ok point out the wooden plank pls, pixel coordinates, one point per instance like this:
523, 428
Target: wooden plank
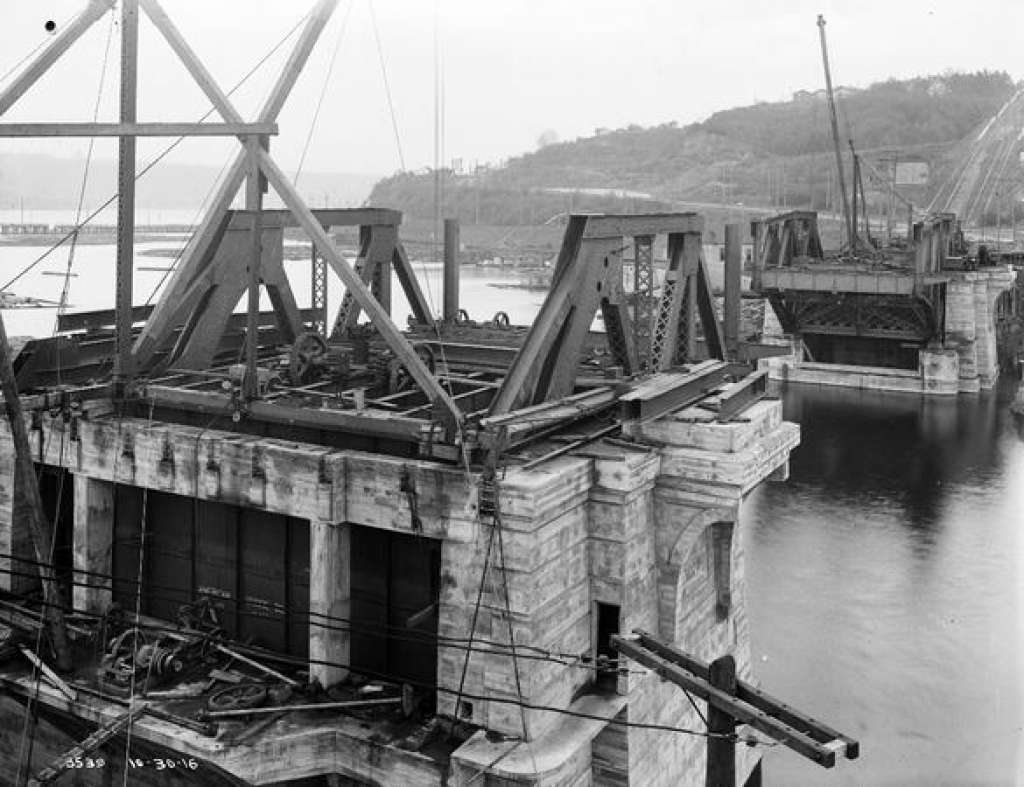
129, 129
380, 318
255, 665
627, 225
50, 675
60, 44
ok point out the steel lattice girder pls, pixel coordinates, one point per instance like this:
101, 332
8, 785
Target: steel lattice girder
851, 314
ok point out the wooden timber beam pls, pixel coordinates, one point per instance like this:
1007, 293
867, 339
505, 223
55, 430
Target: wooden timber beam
178, 298
57, 47
399, 345
135, 129
802, 743
749, 693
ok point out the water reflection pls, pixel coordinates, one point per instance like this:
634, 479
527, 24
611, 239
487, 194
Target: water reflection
885, 585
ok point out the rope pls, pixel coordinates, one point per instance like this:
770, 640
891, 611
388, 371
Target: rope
472, 626
323, 91
138, 611
508, 618
25, 753
387, 85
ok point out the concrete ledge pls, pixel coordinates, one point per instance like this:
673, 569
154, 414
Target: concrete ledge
547, 761
871, 378
297, 479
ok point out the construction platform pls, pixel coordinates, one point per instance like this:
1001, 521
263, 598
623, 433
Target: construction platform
353, 542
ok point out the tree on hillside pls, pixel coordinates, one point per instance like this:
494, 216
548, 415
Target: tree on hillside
547, 137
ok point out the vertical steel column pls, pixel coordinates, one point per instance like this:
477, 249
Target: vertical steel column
126, 198
450, 296
254, 209
733, 285
692, 252
643, 300
318, 291
756, 254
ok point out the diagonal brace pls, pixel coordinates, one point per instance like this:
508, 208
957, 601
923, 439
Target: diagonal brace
399, 345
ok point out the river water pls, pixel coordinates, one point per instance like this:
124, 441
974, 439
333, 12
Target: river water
886, 586
885, 579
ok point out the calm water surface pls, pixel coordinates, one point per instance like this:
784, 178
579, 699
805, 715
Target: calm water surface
886, 586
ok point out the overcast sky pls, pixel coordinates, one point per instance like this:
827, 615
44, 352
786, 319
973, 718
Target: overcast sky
511, 68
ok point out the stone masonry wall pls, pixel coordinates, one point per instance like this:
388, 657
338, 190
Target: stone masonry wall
544, 539
970, 324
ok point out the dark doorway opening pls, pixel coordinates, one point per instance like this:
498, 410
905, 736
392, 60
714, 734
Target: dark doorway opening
395, 590
57, 489
607, 624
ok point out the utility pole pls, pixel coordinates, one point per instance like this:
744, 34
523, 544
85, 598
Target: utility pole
39, 525
721, 754
851, 234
